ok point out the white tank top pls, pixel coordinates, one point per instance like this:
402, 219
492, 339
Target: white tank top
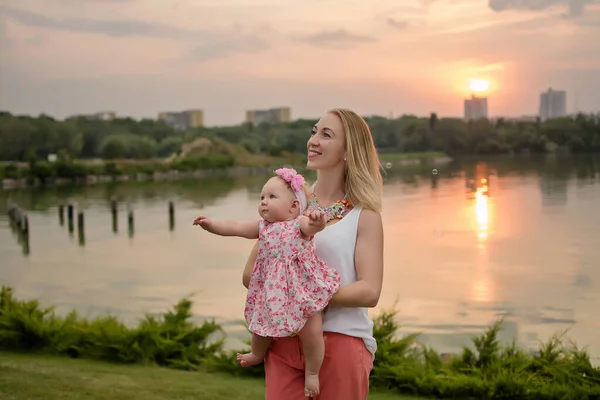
335, 245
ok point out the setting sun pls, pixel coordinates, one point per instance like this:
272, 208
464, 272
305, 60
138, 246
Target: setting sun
479, 85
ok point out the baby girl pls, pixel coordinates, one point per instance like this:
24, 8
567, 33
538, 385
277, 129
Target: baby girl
290, 285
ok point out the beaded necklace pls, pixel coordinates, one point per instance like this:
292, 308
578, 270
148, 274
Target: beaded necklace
336, 210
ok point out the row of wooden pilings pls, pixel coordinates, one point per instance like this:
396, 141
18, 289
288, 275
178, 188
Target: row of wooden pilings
19, 221
114, 208
70, 222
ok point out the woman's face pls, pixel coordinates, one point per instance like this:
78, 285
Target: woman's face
326, 146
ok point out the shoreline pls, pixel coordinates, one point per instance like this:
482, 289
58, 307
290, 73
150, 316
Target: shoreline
388, 160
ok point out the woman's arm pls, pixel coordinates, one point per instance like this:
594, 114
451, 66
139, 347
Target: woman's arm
250, 265
368, 260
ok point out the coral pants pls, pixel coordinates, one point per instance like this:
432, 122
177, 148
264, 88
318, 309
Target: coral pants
344, 374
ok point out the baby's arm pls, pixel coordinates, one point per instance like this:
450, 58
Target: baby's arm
314, 223
246, 229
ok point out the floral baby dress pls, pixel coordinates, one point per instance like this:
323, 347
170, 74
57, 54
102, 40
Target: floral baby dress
289, 282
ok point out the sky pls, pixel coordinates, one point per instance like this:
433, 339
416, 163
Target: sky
378, 57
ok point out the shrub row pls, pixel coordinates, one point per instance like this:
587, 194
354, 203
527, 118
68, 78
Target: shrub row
44, 170
486, 370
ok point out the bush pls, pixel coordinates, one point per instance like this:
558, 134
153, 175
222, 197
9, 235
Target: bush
487, 370
70, 170
41, 170
10, 171
127, 146
193, 163
169, 146
171, 340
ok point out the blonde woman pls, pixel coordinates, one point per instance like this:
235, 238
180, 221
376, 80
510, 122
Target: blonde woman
348, 189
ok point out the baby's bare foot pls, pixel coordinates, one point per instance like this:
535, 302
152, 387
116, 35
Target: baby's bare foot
311, 384
248, 360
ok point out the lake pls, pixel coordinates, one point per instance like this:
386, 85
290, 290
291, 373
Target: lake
465, 244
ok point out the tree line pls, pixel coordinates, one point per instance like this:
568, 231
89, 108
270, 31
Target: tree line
23, 138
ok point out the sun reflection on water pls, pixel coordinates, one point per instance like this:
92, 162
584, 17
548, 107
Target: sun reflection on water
482, 287
482, 210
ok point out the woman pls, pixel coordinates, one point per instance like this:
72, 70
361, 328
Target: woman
342, 151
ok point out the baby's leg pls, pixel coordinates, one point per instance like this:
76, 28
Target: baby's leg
259, 347
314, 352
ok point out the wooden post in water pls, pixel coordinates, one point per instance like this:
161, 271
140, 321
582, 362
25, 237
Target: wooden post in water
113, 210
130, 220
25, 245
70, 217
25, 225
19, 222
61, 214
171, 216
434, 178
13, 211
80, 228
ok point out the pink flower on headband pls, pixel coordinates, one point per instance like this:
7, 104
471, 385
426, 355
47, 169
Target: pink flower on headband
295, 180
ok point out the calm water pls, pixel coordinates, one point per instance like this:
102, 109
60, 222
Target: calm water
475, 242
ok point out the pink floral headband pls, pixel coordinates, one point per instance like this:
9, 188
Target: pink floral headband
296, 182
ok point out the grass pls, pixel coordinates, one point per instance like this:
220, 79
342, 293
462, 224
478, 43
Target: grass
24, 376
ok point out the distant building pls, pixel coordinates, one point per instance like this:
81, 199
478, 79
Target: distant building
553, 104
282, 114
183, 119
476, 108
99, 116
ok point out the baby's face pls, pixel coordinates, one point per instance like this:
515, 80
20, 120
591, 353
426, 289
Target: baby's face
277, 201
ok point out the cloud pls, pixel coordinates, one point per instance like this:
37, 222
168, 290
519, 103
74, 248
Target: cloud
87, 2
336, 39
575, 8
401, 18
226, 45
399, 24
405, 10
115, 28
97, 1
204, 44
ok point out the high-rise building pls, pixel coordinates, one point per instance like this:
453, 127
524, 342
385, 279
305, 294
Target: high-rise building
183, 119
553, 104
282, 114
476, 108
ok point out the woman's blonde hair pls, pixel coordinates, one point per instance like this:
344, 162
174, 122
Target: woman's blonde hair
364, 183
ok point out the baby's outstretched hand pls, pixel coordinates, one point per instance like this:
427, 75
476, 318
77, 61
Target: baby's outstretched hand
204, 222
317, 220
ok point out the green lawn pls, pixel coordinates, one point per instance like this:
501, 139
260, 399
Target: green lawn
51, 378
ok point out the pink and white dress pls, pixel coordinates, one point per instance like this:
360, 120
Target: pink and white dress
289, 282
